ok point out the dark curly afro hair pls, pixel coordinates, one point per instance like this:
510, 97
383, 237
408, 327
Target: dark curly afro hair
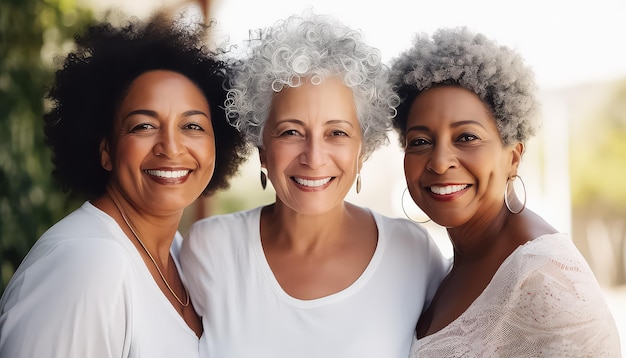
94, 78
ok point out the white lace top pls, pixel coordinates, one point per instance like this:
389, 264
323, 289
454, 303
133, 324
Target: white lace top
543, 301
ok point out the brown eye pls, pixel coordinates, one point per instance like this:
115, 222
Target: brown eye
468, 137
339, 133
416, 142
290, 132
142, 127
194, 126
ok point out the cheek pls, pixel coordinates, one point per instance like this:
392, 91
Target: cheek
413, 167
129, 152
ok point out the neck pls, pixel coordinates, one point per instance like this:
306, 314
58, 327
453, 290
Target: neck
480, 236
283, 226
156, 233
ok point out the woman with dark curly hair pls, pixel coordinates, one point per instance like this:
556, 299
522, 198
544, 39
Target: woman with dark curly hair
518, 287
137, 127
310, 275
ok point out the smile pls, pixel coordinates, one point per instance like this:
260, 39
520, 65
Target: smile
168, 174
448, 189
312, 183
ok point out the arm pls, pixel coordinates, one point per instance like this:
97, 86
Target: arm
70, 302
558, 309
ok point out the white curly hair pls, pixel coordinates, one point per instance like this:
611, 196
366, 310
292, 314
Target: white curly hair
457, 56
311, 48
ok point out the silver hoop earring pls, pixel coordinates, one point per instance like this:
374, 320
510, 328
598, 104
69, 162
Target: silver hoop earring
404, 210
263, 177
506, 194
358, 183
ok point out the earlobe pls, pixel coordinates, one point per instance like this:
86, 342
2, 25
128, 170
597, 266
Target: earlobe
105, 155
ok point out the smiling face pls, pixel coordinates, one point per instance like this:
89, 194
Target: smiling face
455, 163
312, 146
162, 151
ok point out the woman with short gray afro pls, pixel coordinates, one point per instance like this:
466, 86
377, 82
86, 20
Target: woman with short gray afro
456, 56
312, 48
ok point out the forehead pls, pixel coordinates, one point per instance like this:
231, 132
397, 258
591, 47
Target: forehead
165, 93
449, 104
331, 99
163, 85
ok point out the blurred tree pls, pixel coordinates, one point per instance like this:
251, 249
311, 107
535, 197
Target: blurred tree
32, 32
598, 168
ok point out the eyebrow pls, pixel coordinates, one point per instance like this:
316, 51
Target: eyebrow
299, 122
153, 114
454, 125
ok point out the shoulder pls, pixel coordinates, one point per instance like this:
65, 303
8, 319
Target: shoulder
550, 254
400, 226
405, 233
553, 293
79, 265
555, 281
224, 222
219, 234
406, 237
78, 254
66, 276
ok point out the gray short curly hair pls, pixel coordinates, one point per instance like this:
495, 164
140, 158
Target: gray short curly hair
457, 56
312, 48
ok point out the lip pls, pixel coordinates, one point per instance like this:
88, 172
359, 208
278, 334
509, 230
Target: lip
168, 176
447, 192
312, 184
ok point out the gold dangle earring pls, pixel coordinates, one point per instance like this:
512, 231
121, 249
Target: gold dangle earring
263, 177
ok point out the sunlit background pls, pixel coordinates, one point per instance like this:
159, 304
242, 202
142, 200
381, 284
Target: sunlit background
574, 168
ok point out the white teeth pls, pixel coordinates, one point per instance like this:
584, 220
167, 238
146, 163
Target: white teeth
168, 173
311, 183
449, 189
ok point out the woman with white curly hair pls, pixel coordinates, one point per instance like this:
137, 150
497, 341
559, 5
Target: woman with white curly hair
311, 275
517, 287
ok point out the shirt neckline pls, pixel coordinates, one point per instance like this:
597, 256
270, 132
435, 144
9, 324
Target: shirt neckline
321, 301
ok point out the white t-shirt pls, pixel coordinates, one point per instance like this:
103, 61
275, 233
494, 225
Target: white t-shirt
247, 314
543, 301
83, 291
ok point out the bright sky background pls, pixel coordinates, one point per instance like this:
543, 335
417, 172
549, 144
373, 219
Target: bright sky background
566, 42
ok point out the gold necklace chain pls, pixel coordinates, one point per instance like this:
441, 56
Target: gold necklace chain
119, 208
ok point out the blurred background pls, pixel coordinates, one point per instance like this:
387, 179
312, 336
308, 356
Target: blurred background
574, 169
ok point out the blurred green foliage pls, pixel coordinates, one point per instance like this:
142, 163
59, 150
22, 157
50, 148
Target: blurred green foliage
32, 33
598, 169
598, 156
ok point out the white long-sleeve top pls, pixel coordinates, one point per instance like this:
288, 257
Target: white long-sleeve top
83, 291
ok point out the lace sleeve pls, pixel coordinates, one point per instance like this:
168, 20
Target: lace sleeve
558, 310
544, 301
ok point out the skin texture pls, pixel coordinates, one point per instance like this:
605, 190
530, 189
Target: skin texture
456, 168
162, 128
162, 124
315, 243
453, 147
312, 134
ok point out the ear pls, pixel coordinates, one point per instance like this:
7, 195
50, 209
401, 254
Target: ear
105, 155
360, 162
517, 150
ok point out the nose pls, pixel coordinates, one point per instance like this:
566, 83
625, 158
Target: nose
313, 153
169, 143
441, 159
